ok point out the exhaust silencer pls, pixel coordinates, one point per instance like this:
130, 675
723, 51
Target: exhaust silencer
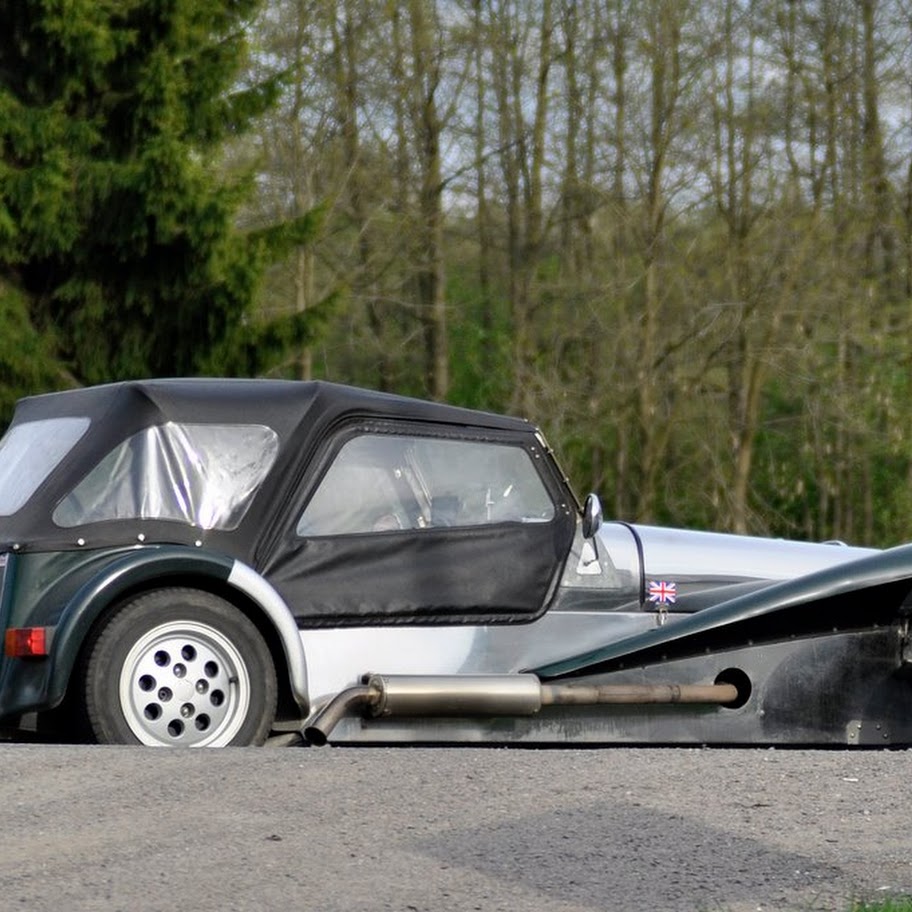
463, 695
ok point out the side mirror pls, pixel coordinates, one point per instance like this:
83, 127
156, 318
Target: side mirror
592, 515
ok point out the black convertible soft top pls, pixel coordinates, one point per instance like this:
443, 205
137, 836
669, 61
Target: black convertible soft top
283, 404
300, 414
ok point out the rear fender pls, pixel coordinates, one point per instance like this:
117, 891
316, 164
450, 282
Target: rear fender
140, 569
868, 592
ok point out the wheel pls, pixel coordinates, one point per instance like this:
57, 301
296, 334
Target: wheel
180, 667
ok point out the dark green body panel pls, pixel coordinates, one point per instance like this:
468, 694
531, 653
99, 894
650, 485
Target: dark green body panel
67, 592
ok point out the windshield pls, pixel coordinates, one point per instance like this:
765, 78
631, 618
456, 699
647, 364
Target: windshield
29, 452
201, 474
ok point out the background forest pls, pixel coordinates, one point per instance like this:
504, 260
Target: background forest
675, 234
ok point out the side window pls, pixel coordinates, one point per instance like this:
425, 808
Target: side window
380, 483
204, 475
29, 452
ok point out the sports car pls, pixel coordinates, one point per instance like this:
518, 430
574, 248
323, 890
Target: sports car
210, 562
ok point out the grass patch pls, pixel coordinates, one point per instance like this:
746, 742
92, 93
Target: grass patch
898, 904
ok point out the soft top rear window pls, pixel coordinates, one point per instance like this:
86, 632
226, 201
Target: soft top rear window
202, 474
29, 452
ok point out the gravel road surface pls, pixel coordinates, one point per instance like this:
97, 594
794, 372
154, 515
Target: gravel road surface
103, 828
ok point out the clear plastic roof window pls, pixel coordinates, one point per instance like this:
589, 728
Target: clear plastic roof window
204, 475
29, 452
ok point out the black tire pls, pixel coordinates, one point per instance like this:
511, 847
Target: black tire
180, 667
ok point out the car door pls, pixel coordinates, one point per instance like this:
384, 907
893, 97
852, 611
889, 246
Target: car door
413, 524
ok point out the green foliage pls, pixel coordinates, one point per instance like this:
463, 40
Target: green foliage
479, 345
894, 904
258, 345
116, 226
277, 242
26, 359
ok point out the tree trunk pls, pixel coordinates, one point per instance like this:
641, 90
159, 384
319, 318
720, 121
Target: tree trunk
426, 122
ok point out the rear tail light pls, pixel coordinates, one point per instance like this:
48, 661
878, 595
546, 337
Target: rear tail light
25, 642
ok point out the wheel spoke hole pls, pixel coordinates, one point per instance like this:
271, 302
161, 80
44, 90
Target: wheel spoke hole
188, 653
162, 658
202, 722
175, 728
147, 683
210, 669
217, 698
152, 712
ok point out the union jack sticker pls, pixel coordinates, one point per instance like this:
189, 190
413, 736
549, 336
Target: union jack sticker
663, 593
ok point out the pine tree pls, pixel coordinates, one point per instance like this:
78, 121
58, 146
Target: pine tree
117, 224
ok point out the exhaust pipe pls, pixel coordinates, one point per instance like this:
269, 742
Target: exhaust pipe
493, 695
360, 698
591, 694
